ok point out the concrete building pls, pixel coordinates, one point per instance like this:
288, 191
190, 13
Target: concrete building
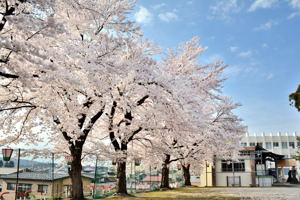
284, 144
249, 170
280, 143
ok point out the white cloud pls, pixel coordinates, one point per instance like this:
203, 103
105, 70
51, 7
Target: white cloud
190, 2
224, 9
212, 59
232, 70
143, 16
159, 6
266, 26
264, 45
262, 4
233, 48
269, 76
168, 16
293, 15
250, 69
245, 53
295, 4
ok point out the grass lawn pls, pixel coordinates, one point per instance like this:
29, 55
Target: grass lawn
182, 193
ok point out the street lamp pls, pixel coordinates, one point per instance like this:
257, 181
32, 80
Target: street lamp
69, 160
7, 154
6, 157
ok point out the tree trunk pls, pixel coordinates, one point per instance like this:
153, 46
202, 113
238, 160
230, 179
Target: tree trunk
165, 177
165, 173
187, 175
121, 178
75, 173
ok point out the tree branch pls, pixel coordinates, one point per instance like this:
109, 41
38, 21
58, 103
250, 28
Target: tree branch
7, 75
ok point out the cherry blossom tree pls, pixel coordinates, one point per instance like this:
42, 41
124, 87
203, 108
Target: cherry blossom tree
221, 139
81, 67
206, 119
57, 58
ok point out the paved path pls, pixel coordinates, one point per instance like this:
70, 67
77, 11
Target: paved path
261, 193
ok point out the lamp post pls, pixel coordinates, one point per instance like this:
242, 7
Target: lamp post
232, 167
6, 157
52, 166
150, 177
205, 173
95, 176
69, 159
7, 154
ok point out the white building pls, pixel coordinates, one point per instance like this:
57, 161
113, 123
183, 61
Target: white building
280, 143
284, 144
248, 171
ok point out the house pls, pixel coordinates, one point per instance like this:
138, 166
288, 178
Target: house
6, 171
40, 185
249, 170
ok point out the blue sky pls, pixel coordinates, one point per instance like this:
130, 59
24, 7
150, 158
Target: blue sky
259, 40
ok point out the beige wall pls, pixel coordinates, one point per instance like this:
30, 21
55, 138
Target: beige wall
206, 177
86, 186
34, 188
221, 177
59, 189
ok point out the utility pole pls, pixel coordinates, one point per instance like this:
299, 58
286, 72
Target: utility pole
52, 176
94, 188
18, 168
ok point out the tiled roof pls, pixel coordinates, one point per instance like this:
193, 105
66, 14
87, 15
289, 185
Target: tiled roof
44, 176
248, 149
6, 170
152, 178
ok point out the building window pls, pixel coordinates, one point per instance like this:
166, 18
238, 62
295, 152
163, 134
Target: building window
259, 144
244, 144
275, 144
252, 144
43, 188
268, 145
11, 186
239, 166
286, 171
286, 156
67, 190
284, 145
292, 145
22, 187
298, 143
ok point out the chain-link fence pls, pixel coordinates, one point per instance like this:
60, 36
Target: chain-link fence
139, 178
25, 175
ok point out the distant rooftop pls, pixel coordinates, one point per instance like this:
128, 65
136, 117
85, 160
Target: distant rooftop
43, 176
274, 134
6, 170
152, 178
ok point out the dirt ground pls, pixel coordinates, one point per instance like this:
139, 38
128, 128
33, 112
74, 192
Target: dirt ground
241, 193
